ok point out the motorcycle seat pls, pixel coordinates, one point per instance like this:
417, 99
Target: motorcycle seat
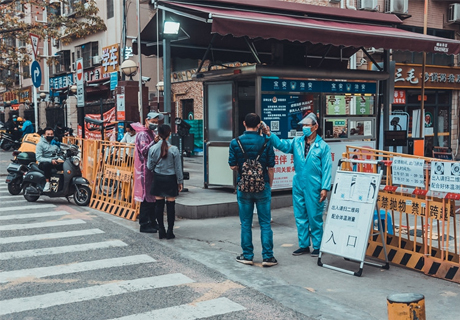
34, 167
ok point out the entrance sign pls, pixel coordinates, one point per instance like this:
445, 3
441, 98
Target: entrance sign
36, 73
408, 172
350, 216
80, 83
34, 41
445, 176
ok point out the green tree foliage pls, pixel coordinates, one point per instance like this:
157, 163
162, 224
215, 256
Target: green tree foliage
19, 18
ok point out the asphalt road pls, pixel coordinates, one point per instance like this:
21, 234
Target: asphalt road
60, 261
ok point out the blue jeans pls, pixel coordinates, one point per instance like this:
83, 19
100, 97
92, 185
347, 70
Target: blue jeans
262, 200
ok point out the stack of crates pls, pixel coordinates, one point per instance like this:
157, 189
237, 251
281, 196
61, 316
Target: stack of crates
197, 131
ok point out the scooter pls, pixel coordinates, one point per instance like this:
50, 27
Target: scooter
7, 142
17, 169
63, 183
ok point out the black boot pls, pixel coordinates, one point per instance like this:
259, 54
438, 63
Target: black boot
159, 210
171, 213
147, 228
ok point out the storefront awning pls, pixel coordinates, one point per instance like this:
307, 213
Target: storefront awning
258, 25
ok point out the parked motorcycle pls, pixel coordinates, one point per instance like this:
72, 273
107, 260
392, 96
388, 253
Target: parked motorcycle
63, 183
17, 169
7, 142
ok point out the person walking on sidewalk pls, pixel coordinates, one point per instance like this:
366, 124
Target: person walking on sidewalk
145, 138
165, 162
312, 180
249, 150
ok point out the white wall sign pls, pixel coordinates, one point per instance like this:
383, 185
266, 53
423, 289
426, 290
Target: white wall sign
445, 176
350, 214
408, 172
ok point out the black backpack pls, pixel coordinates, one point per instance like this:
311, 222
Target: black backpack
252, 172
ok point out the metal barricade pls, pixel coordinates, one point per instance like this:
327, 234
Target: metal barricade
423, 234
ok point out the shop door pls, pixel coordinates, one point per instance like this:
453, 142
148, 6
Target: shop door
218, 132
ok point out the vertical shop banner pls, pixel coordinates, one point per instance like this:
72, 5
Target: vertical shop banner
282, 112
284, 170
408, 172
350, 213
92, 132
445, 176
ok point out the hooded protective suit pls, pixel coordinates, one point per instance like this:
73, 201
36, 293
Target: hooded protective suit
143, 177
312, 174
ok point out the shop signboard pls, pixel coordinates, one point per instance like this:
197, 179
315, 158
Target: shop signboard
290, 85
445, 176
436, 77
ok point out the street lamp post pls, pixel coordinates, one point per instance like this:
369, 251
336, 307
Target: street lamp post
170, 32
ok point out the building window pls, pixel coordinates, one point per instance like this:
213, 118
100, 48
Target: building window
109, 9
63, 62
69, 7
87, 51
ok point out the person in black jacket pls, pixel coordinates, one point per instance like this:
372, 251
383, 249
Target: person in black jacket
253, 143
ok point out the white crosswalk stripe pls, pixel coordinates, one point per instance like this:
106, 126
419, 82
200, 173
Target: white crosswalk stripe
116, 286
34, 215
36, 225
48, 236
29, 207
74, 267
90, 293
199, 310
63, 249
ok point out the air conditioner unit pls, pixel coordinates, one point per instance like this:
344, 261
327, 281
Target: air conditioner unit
397, 6
368, 5
96, 60
453, 15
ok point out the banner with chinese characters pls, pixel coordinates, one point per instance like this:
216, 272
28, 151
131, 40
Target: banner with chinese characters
350, 213
284, 170
436, 77
445, 176
408, 172
406, 204
92, 132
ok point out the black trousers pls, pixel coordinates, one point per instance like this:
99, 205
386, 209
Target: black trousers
47, 167
147, 213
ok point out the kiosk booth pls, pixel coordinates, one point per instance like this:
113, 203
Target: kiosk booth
344, 101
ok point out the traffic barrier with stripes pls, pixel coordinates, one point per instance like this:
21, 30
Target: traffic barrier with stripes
424, 232
109, 166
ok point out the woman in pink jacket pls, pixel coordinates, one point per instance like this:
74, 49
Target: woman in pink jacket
143, 177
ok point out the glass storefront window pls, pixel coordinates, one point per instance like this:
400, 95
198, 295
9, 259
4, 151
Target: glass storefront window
351, 128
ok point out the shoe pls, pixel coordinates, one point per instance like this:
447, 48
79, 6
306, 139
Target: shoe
301, 251
162, 233
147, 228
269, 262
47, 187
170, 234
243, 260
315, 253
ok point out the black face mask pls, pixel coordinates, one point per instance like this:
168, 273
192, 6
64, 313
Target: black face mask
49, 138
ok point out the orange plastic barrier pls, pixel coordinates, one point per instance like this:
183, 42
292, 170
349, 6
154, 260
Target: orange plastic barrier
109, 166
424, 235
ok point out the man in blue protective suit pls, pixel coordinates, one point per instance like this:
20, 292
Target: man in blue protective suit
312, 180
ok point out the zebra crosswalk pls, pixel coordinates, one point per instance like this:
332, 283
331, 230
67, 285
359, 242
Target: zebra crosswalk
44, 231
